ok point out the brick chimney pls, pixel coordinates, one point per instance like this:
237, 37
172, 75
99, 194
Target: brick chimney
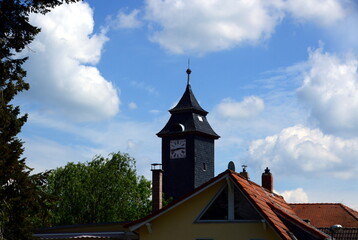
157, 186
267, 180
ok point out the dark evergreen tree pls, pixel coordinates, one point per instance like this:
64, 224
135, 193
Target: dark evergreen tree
21, 197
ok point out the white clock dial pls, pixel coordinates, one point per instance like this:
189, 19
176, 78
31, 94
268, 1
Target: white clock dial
177, 148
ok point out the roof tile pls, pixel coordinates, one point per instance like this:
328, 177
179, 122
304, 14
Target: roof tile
327, 214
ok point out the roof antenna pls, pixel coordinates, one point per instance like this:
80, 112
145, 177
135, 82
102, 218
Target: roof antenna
188, 71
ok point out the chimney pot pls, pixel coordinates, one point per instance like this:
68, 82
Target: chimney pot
267, 180
244, 173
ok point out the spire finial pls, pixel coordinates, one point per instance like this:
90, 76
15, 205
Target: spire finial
188, 71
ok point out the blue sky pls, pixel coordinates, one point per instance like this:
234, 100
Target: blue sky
279, 79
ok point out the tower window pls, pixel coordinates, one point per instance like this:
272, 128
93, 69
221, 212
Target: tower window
204, 167
177, 127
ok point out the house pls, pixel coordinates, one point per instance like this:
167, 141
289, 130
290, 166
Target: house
335, 219
229, 206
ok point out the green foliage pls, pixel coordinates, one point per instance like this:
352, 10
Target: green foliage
22, 202
102, 190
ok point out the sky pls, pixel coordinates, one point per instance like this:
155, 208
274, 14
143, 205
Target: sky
279, 79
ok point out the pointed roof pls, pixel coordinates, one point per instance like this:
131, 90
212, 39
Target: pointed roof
188, 103
273, 208
188, 117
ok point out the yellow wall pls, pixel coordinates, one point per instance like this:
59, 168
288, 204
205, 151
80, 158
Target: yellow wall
179, 223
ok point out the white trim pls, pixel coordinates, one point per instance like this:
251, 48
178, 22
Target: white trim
231, 202
77, 233
230, 221
80, 234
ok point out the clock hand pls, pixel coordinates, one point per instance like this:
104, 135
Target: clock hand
175, 149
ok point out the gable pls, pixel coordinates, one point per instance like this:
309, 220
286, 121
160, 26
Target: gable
229, 204
181, 220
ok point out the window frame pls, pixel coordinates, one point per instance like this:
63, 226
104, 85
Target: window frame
231, 207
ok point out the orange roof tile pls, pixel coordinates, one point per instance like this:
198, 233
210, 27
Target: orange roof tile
272, 206
326, 214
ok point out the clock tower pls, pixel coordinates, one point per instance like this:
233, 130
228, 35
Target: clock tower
187, 146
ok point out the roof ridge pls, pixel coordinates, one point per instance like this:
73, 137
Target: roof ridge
252, 182
296, 219
350, 211
314, 203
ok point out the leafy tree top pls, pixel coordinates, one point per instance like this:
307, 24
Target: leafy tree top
102, 190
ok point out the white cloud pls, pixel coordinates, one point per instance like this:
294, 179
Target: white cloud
143, 86
154, 111
59, 70
132, 105
323, 12
248, 108
347, 29
195, 26
295, 196
84, 140
330, 91
44, 154
203, 26
299, 150
124, 20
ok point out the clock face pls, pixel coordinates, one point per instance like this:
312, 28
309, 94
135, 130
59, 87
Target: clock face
177, 148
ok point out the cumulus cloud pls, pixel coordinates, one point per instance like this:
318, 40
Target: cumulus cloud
60, 67
330, 91
202, 26
295, 196
322, 12
306, 150
124, 20
249, 107
197, 26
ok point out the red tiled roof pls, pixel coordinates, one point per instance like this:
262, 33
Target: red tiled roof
270, 205
327, 214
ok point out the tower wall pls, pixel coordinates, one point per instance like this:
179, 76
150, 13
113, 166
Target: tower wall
178, 175
204, 160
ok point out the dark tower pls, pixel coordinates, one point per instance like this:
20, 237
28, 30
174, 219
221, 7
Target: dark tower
187, 146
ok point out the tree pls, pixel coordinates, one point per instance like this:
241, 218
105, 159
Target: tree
102, 190
21, 197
